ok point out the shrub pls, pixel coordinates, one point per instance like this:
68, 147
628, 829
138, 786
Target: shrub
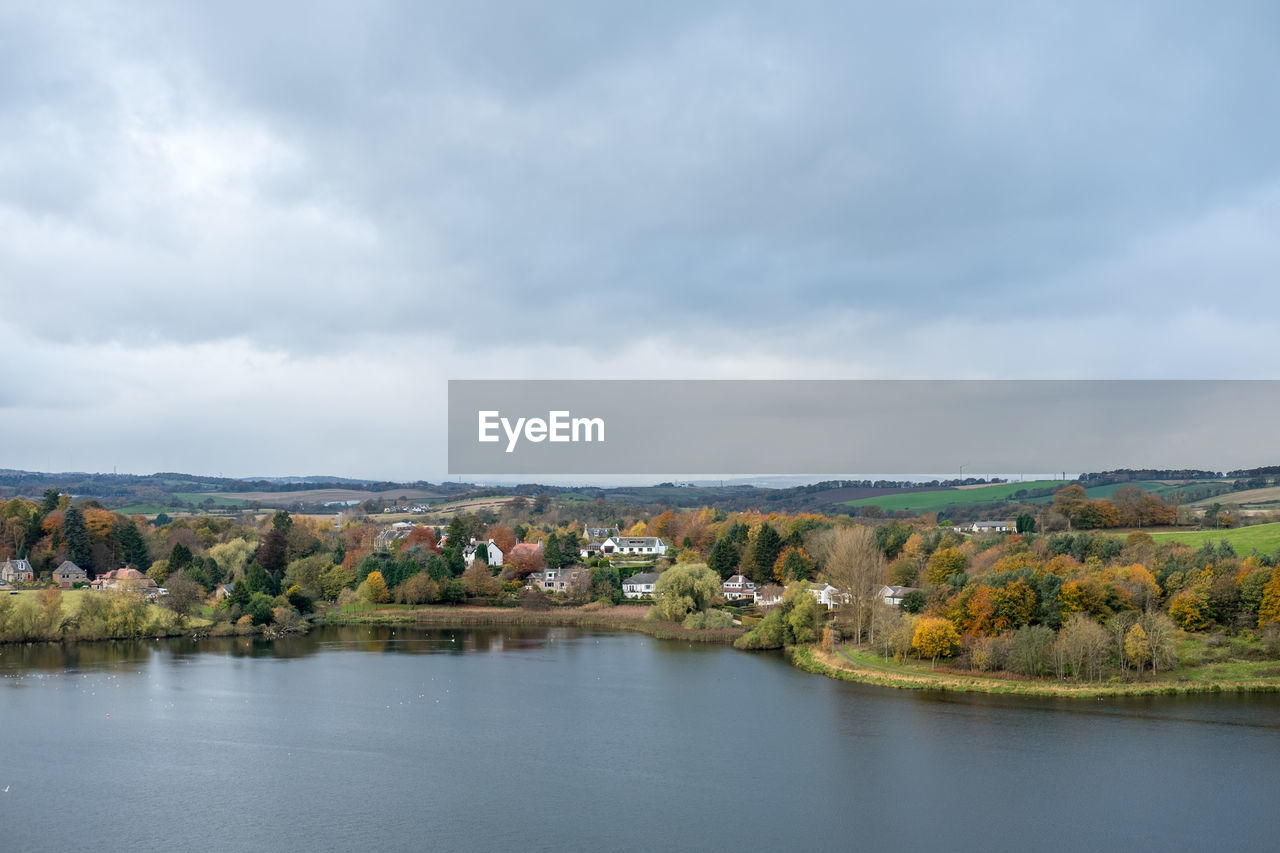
709, 620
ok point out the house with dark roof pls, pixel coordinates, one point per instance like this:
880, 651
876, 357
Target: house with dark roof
640, 585
494, 553
17, 571
738, 588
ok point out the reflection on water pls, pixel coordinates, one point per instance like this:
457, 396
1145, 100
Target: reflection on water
125, 654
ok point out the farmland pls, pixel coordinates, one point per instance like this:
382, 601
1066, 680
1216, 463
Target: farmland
939, 499
1264, 537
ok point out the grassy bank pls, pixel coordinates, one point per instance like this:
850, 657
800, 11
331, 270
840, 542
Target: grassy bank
849, 664
618, 618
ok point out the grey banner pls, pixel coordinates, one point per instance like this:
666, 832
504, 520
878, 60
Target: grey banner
858, 426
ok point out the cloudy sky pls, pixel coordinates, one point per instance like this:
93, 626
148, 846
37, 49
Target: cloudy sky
257, 239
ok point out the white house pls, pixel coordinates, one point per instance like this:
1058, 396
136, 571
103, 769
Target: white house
827, 595
893, 595
986, 527
633, 545
640, 586
469, 553
768, 595
738, 588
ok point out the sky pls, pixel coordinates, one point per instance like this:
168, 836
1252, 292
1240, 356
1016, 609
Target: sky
257, 239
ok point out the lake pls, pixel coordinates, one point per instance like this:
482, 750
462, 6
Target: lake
520, 739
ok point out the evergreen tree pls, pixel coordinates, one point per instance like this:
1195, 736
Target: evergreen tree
179, 558
551, 552
50, 501
767, 547
76, 535
132, 545
724, 557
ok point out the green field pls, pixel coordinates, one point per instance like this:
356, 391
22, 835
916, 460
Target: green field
1264, 537
939, 499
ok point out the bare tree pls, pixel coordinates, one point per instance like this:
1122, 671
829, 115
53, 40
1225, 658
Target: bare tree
855, 566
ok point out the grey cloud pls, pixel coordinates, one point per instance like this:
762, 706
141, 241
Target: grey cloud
746, 167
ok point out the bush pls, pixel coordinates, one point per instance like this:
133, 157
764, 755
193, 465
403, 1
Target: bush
771, 633
260, 610
709, 620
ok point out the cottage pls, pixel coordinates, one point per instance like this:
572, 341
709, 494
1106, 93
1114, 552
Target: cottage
633, 545
640, 585
69, 574
17, 571
598, 534
738, 588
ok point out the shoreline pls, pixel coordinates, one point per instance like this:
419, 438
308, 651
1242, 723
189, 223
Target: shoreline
615, 618
814, 660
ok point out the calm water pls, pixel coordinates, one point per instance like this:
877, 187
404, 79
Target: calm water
559, 739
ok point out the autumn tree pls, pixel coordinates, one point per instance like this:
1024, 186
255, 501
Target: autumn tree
478, 580
374, 589
935, 637
1269, 608
943, 564
1137, 647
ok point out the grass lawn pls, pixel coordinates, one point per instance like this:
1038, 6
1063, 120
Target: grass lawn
1264, 537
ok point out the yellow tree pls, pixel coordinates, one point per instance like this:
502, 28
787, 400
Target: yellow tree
944, 563
1269, 610
1137, 647
935, 637
374, 589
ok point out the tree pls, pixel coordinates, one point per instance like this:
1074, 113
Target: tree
1084, 643
184, 596
478, 580
935, 637
76, 534
943, 563
683, 589
793, 564
764, 552
1137, 647
1190, 609
374, 589
551, 551
1025, 523
132, 545
724, 557
855, 566
1269, 608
